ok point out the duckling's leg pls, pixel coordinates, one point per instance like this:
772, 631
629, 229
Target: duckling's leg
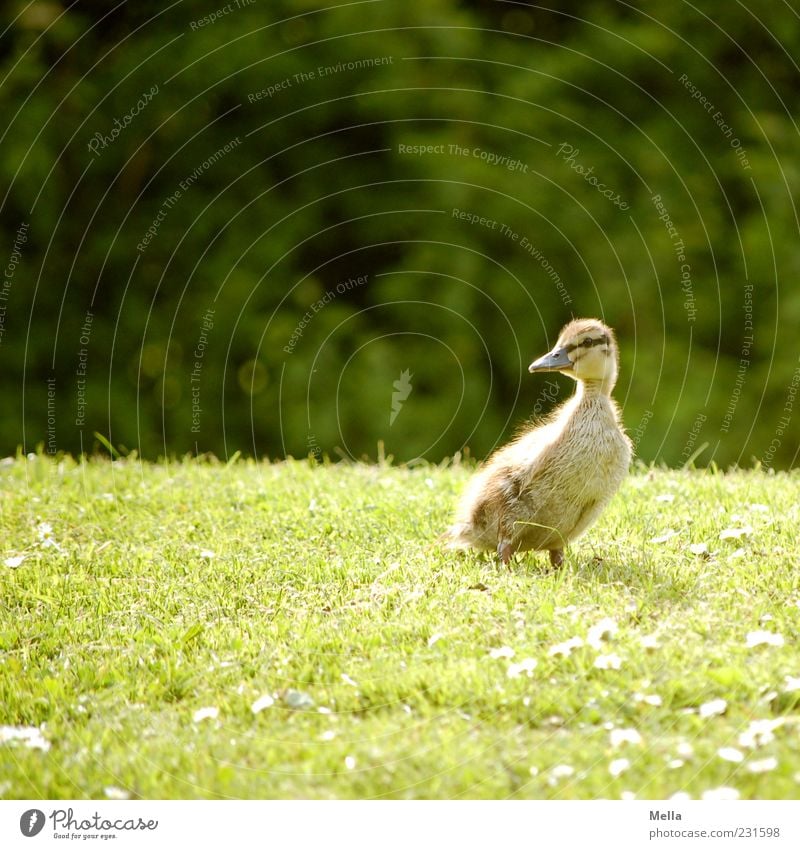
505, 551
556, 557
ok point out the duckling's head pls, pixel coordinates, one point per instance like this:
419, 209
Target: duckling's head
587, 351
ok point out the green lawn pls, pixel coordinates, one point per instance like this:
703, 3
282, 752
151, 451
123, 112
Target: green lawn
147, 593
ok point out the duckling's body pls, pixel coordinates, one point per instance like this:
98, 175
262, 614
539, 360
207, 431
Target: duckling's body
551, 483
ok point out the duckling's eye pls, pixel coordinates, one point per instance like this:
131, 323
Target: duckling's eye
590, 343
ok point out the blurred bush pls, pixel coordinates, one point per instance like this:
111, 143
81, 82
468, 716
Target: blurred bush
231, 241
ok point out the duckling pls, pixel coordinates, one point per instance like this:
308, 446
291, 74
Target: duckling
547, 486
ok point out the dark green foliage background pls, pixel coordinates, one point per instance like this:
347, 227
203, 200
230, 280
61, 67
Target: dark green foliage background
317, 191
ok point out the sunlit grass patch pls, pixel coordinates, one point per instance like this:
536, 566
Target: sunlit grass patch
290, 630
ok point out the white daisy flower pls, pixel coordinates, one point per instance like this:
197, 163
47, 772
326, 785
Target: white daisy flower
619, 736
205, 713
763, 638
29, 735
566, 648
503, 651
116, 793
719, 794
524, 666
736, 533
262, 703
759, 733
559, 772
765, 765
45, 532
665, 537
618, 766
716, 707
603, 630
608, 661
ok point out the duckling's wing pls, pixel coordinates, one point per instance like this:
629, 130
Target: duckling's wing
478, 510
525, 458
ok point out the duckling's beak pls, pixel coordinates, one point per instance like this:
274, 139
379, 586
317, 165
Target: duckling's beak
556, 360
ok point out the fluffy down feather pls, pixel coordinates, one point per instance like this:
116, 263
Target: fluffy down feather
550, 484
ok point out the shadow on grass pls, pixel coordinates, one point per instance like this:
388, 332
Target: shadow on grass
645, 579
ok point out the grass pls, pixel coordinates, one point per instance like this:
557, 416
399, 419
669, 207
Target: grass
150, 592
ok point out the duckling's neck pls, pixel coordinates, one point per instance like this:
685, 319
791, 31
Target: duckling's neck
593, 389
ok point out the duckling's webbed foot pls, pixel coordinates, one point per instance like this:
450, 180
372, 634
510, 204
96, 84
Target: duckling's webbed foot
556, 557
